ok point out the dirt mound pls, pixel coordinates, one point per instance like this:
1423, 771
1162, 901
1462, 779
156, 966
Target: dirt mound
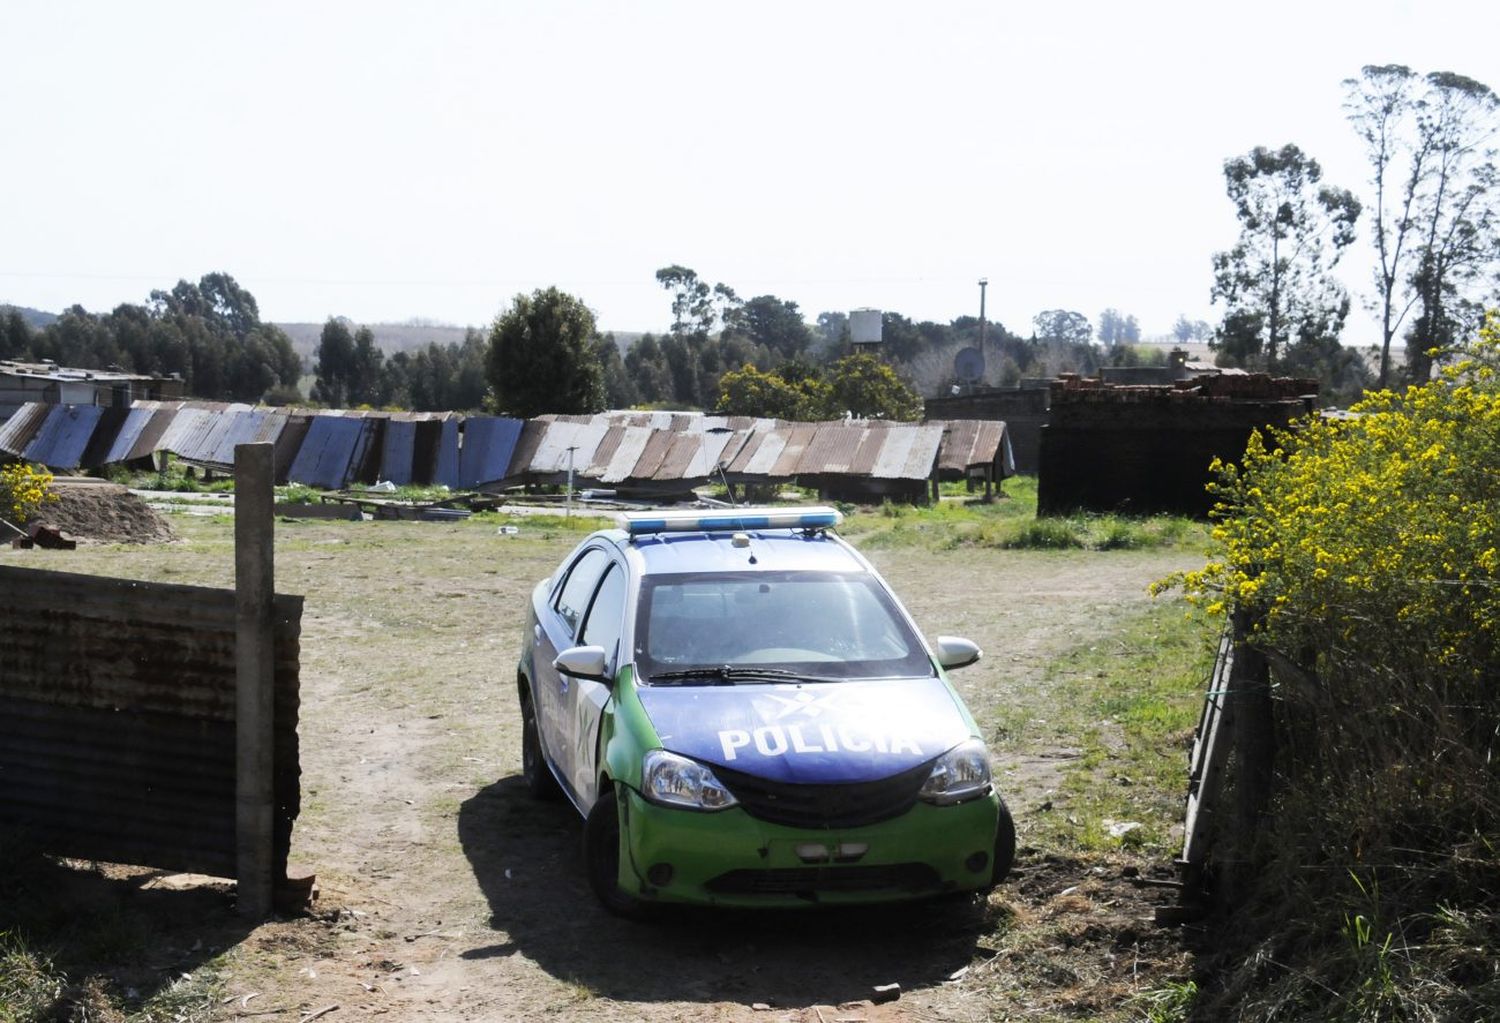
103, 513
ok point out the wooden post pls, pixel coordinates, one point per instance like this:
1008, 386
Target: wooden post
255, 659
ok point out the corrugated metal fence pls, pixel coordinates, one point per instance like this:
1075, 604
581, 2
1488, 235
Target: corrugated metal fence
117, 706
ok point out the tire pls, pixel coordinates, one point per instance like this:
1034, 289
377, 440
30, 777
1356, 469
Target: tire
601, 858
1005, 845
539, 780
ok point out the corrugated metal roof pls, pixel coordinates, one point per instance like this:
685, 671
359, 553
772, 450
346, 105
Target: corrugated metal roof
17, 432
969, 443
489, 442
798, 437
760, 452
552, 450
831, 449
625, 456
332, 451
692, 455
61, 440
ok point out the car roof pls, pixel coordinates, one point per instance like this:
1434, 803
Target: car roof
774, 550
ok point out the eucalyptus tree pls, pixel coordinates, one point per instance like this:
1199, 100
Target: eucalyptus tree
1276, 283
1430, 142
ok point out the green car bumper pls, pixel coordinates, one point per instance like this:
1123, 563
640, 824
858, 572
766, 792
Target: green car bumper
730, 858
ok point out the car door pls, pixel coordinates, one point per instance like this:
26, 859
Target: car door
557, 625
602, 626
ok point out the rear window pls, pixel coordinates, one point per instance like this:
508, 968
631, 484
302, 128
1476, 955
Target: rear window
828, 624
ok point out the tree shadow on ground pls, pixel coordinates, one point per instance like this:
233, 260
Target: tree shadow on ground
527, 859
135, 930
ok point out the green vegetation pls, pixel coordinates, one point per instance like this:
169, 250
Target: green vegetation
1365, 552
24, 488
1010, 522
857, 384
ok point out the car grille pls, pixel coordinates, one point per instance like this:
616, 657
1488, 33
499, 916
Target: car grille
811, 881
849, 805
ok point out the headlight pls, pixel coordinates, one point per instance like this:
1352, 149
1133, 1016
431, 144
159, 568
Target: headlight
961, 773
671, 780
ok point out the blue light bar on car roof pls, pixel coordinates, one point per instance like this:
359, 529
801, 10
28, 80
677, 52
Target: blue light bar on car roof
730, 519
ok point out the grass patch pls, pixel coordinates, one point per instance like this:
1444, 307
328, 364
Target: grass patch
1129, 699
1010, 523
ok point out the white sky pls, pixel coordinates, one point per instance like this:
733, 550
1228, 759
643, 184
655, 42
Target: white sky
383, 161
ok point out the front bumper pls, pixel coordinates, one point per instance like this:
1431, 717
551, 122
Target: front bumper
731, 858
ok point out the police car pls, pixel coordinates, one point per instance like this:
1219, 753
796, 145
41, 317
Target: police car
744, 714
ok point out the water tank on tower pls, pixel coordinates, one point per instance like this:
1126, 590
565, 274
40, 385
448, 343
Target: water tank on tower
864, 327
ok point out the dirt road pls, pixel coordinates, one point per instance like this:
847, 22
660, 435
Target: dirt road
445, 893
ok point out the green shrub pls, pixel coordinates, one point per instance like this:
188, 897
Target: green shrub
1366, 551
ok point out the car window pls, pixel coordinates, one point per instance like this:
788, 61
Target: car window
843, 625
602, 626
573, 598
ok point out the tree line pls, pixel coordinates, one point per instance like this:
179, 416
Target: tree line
209, 333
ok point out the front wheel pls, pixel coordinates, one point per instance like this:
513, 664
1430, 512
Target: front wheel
1005, 845
534, 769
601, 857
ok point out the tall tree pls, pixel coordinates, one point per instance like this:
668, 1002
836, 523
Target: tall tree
364, 379
335, 365
693, 311
1185, 330
776, 324
1062, 325
1432, 168
1116, 328
1293, 229
541, 356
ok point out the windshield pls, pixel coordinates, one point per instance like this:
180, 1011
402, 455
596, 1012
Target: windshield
738, 626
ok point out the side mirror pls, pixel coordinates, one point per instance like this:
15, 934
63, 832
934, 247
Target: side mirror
581, 662
954, 652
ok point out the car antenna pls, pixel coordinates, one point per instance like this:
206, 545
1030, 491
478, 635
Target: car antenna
724, 479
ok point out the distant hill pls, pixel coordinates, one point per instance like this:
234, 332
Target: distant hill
35, 318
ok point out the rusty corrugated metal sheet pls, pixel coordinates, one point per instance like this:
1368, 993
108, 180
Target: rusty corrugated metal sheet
798, 437
831, 449
608, 445
18, 431
760, 452
968, 443
692, 456
551, 455
117, 737
489, 443
625, 456
63, 437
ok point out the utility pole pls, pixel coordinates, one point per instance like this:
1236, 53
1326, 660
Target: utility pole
568, 512
984, 282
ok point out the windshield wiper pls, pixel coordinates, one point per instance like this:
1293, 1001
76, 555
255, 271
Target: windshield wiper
728, 675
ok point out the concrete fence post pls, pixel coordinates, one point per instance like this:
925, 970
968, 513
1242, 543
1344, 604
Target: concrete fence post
255, 658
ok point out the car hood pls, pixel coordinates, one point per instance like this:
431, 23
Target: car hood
812, 733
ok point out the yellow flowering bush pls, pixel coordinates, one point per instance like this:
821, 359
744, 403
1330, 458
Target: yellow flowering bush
23, 490
1367, 552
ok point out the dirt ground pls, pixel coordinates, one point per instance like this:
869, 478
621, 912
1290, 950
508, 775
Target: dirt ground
445, 893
